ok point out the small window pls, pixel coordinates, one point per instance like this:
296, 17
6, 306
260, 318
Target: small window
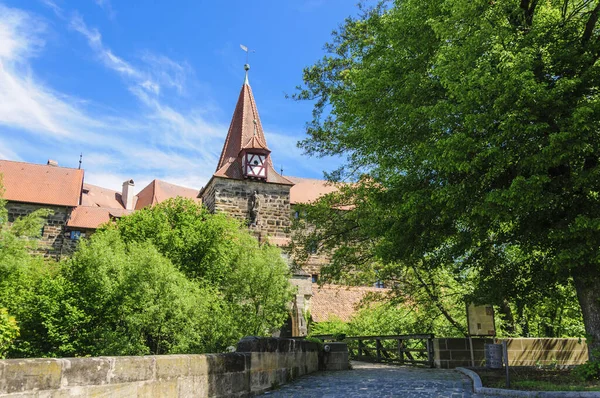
380, 285
296, 215
75, 235
315, 278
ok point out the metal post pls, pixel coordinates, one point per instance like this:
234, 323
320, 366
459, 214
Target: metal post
472, 353
505, 355
430, 357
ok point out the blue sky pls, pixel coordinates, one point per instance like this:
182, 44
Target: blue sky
146, 89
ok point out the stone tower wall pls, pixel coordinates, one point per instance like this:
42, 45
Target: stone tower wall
233, 197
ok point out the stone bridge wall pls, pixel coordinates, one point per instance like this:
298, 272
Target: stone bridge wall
259, 365
454, 352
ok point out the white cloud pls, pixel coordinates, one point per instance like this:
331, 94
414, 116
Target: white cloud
106, 5
19, 34
52, 5
160, 140
6, 152
94, 39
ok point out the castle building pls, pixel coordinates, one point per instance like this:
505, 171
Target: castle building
245, 185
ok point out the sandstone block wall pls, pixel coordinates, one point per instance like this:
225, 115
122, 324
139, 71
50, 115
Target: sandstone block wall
529, 352
454, 352
233, 197
335, 356
52, 240
272, 362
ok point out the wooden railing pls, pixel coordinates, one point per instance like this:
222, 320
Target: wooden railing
412, 349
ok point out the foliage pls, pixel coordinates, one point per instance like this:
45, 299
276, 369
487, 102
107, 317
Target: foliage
200, 244
20, 272
474, 127
258, 288
589, 370
389, 318
319, 342
113, 298
333, 325
218, 251
171, 279
9, 331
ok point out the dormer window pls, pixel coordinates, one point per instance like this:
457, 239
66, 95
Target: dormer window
255, 165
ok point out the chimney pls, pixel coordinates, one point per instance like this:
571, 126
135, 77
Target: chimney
52, 163
127, 194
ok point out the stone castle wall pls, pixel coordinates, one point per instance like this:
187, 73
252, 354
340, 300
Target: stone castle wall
234, 196
259, 365
314, 264
52, 242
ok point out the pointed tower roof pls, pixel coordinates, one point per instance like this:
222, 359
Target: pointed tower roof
245, 132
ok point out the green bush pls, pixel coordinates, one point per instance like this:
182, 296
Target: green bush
9, 331
113, 298
589, 370
218, 251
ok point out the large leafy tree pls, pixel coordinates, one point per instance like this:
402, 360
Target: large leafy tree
217, 251
477, 125
19, 270
114, 298
169, 279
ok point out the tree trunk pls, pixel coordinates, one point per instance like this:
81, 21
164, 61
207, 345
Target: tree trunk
587, 285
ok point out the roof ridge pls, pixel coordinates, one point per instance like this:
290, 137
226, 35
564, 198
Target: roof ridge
38, 164
314, 179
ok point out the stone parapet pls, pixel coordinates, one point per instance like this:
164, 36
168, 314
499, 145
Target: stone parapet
335, 356
265, 364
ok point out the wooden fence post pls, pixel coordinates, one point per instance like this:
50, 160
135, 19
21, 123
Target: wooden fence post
360, 348
401, 351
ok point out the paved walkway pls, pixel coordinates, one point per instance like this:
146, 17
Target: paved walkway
377, 380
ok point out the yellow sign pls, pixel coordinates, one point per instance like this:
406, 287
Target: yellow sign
481, 320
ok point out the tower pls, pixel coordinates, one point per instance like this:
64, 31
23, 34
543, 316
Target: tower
245, 185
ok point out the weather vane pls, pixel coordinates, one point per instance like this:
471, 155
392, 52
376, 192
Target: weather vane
243, 47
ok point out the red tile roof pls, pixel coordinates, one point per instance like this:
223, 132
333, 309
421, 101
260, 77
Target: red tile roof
244, 133
101, 197
159, 191
337, 301
43, 184
91, 217
307, 190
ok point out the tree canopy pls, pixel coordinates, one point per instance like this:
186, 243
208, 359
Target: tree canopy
168, 279
471, 131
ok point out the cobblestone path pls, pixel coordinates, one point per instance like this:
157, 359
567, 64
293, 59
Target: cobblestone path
377, 380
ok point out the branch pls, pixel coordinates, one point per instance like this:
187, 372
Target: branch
528, 8
437, 302
590, 25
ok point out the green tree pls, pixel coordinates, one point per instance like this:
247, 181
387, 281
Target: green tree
20, 272
113, 298
477, 125
9, 331
218, 251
